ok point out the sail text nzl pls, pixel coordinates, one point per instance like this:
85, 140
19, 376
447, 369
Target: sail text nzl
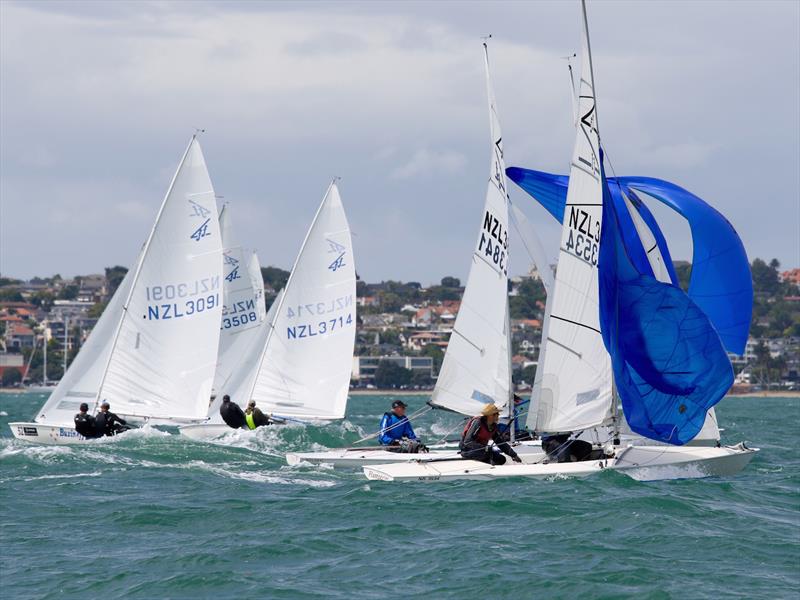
319, 308
584, 235
192, 298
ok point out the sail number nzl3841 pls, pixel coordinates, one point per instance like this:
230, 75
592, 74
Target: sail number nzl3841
493, 244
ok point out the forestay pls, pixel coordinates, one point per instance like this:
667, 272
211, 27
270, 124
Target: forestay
475, 367
243, 310
82, 380
575, 384
305, 366
164, 352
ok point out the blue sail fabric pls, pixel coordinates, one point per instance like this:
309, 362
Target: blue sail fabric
669, 364
720, 283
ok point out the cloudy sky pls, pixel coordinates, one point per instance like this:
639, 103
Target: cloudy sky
98, 100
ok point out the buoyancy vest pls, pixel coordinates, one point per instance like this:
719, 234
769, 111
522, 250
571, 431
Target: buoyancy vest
248, 417
483, 436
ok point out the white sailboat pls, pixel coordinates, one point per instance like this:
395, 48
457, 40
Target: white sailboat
574, 390
302, 369
152, 354
477, 368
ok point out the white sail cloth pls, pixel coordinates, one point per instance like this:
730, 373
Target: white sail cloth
574, 390
305, 365
82, 380
475, 369
164, 353
243, 310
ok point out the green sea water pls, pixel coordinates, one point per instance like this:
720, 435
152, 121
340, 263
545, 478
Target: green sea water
155, 515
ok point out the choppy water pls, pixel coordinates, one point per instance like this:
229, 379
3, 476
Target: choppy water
154, 515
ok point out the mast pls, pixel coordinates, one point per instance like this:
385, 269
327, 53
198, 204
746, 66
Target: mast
66, 343
44, 371
512, 421
138, 271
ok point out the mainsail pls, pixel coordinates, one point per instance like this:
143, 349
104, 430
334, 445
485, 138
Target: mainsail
475, 367
243, 309
306, 362
575, 383
164, 350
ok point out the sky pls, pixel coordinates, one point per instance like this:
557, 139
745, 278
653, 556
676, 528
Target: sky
98, 101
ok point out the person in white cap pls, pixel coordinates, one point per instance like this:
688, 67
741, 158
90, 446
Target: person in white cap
482, 440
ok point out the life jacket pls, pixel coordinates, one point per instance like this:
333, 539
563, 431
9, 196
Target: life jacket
483, 436
248, 417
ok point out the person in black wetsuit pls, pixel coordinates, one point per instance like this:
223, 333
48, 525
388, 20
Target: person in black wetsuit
107, 423
232, 413
85, 423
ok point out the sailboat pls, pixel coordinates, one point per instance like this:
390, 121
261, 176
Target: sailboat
302, 369
476, 369
243, 327
616, 329
152, 354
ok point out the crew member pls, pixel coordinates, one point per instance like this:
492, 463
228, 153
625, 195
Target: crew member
482, 441
254, 417
396, 432
107, 423
232, 413
84, 422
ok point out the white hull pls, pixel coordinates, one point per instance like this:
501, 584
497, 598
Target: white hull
644, 463
205, 431
53, 435
356, 458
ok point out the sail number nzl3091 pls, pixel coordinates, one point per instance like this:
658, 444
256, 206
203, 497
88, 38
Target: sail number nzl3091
182, 299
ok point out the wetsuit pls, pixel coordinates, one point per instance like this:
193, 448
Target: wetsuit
232, 414
393, 430
477, 439
107, 423
85, 425
258, 418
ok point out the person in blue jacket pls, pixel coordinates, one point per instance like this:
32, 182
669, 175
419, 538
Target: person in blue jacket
396, 432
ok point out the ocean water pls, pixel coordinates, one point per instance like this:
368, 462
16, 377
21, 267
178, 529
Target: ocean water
155, 515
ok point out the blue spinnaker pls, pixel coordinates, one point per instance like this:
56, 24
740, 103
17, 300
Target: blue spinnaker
669, 364
720, 283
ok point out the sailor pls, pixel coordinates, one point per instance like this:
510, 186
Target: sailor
232, 413
254, 417
482, 440
84, 422
107, 423
396, 432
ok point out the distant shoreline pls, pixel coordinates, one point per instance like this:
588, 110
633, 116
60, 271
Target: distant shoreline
391, 392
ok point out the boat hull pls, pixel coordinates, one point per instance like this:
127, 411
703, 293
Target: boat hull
53, 435
644, 463
205, 431
356, 458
